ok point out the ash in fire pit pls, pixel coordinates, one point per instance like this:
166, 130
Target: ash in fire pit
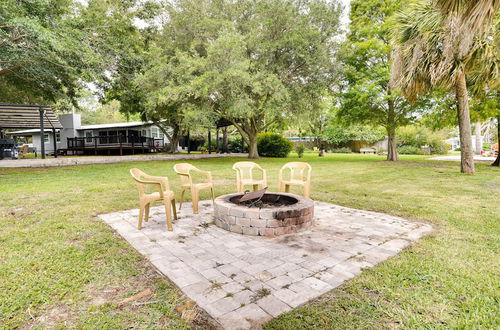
265, 214
262, 199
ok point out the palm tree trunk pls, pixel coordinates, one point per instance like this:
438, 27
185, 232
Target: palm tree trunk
467, 155
497, 161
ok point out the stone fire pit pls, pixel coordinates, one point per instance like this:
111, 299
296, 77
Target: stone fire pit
278, 214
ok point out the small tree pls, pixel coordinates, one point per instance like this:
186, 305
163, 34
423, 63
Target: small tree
366, 94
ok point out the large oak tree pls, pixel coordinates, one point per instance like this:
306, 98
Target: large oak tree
251, 62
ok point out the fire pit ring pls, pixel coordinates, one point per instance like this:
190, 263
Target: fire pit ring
278, 214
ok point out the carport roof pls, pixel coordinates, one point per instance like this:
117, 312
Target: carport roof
27, 116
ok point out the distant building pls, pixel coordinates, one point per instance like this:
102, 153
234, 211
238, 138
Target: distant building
78, 139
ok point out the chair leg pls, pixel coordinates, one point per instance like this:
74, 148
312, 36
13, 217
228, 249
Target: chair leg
280, 186
146, 213
307, 190
195, 198
213, 195
141, 215
255, 187
287, 188
173, 209
168, 214
182, 198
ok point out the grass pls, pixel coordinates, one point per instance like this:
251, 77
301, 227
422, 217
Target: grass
62, 267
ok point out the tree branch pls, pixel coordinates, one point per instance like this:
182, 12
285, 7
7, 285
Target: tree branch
10, 70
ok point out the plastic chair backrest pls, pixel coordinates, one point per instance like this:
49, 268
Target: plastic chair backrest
298, 170
245, 169
183, 170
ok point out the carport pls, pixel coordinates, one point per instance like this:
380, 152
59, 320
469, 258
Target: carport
27, 116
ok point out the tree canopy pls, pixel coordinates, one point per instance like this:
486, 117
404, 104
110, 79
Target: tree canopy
366, 95
251, 62
51, 49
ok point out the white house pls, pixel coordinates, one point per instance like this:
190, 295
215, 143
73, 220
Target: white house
116, 138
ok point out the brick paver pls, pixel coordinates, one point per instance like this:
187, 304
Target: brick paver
244, 281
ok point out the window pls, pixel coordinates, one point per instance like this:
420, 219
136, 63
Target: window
154, 132
160, 134
58, 137
46, 138
112, 137
88, 136
144, 132
103, 137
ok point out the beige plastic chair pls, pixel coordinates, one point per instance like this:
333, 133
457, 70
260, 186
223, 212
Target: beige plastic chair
300, 175
184, 170
23, 151
244, 175
145, 199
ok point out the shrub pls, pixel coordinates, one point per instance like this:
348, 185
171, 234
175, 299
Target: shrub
273, 145
341, 150
234, 145
419, 136
213, 145
410, 150
299, 149
440, 148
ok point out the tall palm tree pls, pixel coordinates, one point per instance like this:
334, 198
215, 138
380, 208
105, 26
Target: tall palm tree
451, 44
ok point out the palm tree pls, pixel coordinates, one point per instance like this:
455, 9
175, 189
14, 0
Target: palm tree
449, 44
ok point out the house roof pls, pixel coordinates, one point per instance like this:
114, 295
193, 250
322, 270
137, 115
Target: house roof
115, 125
27, 116
30, 132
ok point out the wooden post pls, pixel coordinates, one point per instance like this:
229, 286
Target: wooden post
217, 140
55, 142
121, 150
42, 133
209, 141
242, 144
95, 144
189, 143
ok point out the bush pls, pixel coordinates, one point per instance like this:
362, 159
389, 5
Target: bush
299, 149
341, 150
410, 150
213, 145
234, 145
439, 148
273, 145
420, 136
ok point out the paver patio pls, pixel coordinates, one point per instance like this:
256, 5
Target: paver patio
244, 281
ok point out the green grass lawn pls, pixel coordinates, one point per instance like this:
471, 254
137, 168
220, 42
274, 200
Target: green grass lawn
62, 267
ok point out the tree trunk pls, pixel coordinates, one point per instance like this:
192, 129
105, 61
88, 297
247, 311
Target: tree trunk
173, 138
225, 140
467, 155
252, 146
392, 148
497, 161
479, 145
174, 143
